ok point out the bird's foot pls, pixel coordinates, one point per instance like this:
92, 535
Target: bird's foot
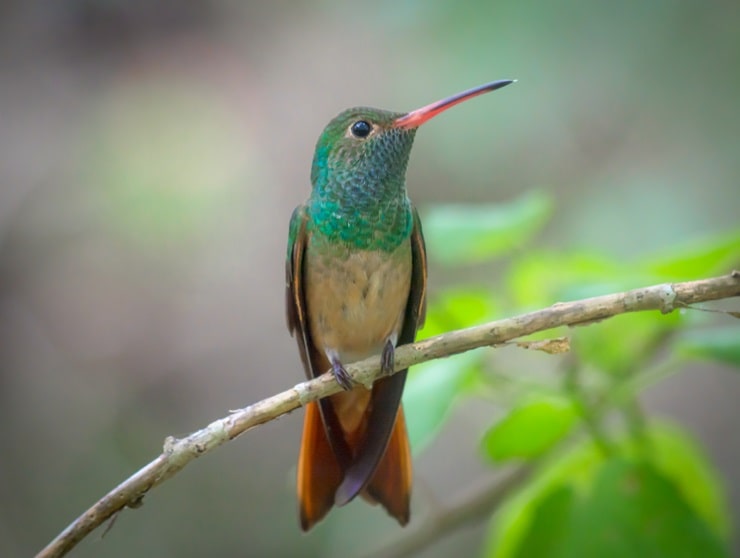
388, 358
341, 375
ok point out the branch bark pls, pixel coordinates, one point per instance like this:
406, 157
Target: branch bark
177, 453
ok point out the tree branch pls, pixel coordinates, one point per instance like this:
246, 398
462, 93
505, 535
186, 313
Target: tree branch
177, 453
472, 507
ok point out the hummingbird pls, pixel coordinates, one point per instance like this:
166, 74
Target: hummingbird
356, 275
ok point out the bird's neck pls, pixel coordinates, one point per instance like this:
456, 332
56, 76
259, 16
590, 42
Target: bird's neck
361, 213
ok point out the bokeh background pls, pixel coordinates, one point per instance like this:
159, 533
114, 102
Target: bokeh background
151, 155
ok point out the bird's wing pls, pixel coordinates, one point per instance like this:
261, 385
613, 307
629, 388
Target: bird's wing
317, 478
295, 300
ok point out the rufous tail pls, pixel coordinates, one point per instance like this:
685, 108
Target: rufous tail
319, 473
391, 484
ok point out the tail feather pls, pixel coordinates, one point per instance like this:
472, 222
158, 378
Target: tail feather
390, 485
379, 420
319, 474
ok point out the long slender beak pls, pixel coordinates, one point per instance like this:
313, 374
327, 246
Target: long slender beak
417, 117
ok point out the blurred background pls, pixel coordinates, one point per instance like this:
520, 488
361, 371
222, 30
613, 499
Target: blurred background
151, 155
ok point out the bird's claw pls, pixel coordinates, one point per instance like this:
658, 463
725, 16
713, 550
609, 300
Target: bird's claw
388, 359
341, 375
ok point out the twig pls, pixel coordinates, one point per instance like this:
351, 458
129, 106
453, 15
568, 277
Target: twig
471, 507
179, 452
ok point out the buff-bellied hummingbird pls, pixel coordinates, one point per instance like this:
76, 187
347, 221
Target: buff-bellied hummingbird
356, 287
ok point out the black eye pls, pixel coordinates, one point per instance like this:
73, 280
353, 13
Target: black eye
361, 129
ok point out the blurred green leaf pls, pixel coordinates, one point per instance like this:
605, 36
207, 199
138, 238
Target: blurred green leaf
457, 234
457, 308
682, 460
700, 258
633, 510
430, 392
550, 524
678, 477
512, 522
721, 344
530, 429
619, 345
541, 278
432, 388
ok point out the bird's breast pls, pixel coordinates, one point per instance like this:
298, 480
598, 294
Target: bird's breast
356, 299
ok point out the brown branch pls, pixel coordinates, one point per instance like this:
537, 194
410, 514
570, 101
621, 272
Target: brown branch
179, 452
470, 508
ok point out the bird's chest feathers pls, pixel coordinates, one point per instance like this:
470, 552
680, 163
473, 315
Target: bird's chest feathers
356, 299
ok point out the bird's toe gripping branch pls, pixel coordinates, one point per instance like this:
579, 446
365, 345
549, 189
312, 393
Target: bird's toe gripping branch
388, 358
341, 375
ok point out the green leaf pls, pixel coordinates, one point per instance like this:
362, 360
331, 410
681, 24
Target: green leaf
550, 523
530, 429
620, 345
721, 344
540, 278
700, 258
575, 468
630, 510
675, 460
457, 308
430, 392
468, 234
681, 459
633, 510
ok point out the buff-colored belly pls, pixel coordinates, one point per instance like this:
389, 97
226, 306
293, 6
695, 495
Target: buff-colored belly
356, 300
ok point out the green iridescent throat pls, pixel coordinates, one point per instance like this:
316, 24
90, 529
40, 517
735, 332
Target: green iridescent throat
362, 223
